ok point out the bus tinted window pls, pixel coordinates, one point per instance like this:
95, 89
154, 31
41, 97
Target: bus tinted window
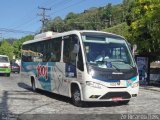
45, 51
54, 50
3, 59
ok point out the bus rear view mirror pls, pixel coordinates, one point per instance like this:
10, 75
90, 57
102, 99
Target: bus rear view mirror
134, 48
76, 48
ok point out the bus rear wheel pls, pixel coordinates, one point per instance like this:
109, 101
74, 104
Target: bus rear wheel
33, 85
76, 97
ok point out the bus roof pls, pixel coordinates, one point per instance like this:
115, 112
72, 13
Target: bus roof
68, 33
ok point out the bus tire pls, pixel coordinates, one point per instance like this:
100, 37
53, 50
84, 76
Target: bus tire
33, 84
125, 102
76, 96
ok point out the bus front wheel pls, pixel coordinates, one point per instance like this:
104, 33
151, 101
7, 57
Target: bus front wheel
76, 97
33, 84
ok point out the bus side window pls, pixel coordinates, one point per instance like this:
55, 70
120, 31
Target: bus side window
55, 50
80, 64
68, 52
27, 53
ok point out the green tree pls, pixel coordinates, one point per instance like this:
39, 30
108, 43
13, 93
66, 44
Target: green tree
92, 19
144, 25
120, 29
56, 25
6, 49
71, 15
18, 44
107, 13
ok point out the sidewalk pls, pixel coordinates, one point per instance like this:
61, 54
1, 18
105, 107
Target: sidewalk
152, 88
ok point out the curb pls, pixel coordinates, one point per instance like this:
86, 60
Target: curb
151, 89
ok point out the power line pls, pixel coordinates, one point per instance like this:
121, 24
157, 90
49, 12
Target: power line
25, 17
46, 2
44, 16
16, 31
68, 7
26, 22
56, 3
34, 17
59, 3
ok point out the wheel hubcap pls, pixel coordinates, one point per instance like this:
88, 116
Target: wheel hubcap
33, 86
77, 96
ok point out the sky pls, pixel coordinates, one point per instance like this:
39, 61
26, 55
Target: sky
21, 15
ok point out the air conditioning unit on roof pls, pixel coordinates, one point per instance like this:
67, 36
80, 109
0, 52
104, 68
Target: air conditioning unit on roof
45, 35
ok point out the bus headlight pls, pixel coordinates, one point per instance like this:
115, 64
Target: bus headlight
93, 84
91, 72
136, 84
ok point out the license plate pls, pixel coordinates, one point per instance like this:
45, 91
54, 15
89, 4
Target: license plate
117, 99
115, 84
120, 83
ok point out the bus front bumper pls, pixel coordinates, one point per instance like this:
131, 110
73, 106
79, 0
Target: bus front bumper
5, 70
108, 94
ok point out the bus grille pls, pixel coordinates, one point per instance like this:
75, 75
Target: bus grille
123, 95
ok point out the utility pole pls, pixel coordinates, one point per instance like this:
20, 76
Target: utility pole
44, 17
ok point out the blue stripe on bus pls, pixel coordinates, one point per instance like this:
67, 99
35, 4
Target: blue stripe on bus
134, 78
32, 67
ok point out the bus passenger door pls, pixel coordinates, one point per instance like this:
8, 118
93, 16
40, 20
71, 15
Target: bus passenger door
70, 51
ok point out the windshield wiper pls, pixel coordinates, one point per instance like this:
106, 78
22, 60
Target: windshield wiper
100, 61
104, 61
116, 68
123, 62
119, 61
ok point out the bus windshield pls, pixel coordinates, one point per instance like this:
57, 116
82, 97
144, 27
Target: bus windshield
3, 59
109, 52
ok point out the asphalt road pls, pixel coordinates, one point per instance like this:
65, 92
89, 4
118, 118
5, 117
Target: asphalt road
18, 98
